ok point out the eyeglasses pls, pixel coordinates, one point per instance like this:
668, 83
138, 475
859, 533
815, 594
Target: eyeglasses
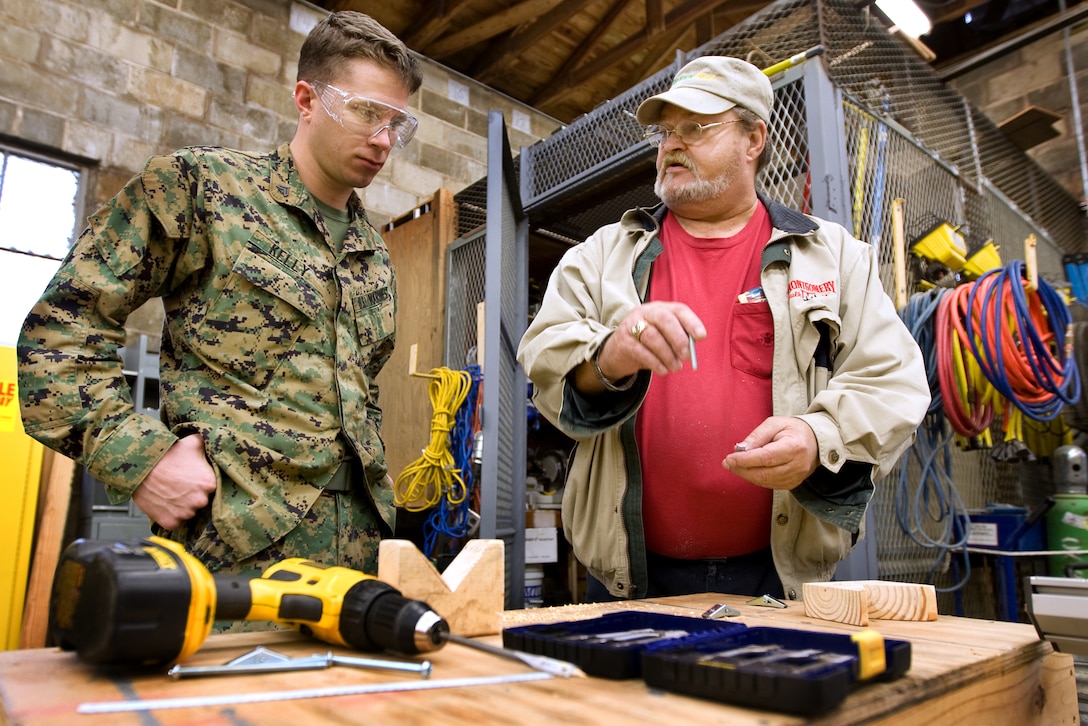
689, 132
366, 116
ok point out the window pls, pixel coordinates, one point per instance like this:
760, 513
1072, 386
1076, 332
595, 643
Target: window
40, 199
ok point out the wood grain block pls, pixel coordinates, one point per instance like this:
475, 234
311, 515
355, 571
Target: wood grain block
470, 594
855, 602
842, 602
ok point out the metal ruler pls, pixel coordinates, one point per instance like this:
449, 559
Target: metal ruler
242, 698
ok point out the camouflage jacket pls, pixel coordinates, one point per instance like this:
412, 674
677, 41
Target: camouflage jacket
271, 345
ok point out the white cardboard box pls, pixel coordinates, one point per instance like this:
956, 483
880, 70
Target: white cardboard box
541, 545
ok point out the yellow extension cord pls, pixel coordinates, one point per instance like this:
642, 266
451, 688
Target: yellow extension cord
432, 476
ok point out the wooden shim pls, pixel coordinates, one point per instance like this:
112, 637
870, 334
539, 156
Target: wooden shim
470, 594
58, 471
855, 602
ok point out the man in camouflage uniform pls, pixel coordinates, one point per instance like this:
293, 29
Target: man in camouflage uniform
279, 299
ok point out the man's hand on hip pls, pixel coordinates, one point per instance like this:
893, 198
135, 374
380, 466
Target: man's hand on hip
179, 486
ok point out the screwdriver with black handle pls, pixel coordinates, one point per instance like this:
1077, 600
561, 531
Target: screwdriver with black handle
149, 602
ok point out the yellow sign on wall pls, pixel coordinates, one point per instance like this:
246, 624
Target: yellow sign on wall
9, 403
22, 456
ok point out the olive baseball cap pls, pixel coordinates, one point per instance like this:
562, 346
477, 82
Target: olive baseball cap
711, 85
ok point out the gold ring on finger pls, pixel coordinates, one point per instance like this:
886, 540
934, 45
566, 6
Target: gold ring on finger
638, 328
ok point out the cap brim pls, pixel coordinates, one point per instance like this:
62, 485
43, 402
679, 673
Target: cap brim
689, 99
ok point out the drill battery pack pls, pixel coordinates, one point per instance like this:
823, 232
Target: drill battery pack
793, 671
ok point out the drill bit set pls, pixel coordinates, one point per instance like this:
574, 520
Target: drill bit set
781, 669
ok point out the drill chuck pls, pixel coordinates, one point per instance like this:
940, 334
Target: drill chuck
375, 616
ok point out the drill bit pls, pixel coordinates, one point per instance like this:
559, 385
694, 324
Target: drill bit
542, 663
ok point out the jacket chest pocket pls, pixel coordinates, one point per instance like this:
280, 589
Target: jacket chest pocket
375, 315
251, 327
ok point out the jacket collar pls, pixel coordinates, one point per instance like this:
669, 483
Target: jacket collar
786, 223
790, 221
286, 187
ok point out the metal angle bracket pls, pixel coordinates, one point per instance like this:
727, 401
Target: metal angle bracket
767, 601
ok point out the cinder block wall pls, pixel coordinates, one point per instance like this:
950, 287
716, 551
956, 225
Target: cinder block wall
112, 82
1037, 75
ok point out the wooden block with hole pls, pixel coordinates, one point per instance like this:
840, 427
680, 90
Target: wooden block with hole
855, 602
470, 595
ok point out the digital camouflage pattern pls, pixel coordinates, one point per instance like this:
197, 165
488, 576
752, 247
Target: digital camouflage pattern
336, 531
272, 343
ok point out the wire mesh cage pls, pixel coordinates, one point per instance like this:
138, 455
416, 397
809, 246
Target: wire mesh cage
464, 291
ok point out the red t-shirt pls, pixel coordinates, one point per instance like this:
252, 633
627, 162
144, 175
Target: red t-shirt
692, 507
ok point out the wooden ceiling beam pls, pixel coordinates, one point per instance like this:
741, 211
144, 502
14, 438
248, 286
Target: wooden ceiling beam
492, 63
655, 17
682, 15
661, 53
657, 56
489, 27
433, 22
554, 86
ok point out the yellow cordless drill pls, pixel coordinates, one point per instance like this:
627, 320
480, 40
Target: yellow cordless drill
149, 602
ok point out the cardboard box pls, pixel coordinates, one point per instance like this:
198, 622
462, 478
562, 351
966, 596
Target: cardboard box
543, 518
541, 545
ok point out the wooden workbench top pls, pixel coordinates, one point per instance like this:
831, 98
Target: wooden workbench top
963, 671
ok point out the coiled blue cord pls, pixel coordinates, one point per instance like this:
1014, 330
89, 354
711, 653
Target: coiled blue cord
987, 343
935, 499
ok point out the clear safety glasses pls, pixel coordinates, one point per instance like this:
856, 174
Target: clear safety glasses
366, 116
689, 132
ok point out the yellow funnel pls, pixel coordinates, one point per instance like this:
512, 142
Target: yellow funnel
942, 244
981, 261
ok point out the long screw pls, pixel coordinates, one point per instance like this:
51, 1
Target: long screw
314, 662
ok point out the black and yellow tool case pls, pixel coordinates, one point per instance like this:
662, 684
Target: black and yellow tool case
781, 669
610, 646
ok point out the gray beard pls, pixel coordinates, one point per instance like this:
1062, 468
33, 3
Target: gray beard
700, 190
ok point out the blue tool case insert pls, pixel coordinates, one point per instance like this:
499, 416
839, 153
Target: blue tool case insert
779, 669
610, 646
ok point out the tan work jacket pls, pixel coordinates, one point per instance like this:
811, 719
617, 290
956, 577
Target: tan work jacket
863, 390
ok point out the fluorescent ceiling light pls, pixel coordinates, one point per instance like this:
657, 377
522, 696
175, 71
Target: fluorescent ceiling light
906, 16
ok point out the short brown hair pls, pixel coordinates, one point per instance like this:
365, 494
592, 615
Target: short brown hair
348, 34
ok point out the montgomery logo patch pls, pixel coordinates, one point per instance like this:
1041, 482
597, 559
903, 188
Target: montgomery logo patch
808, 290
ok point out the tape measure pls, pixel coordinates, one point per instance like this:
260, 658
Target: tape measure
243, 698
